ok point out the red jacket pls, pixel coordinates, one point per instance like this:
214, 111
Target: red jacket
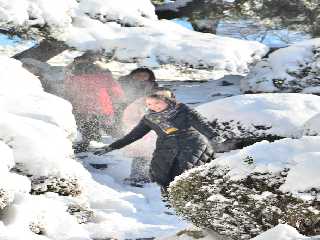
93, 93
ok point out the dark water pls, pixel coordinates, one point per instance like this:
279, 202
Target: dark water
276, 23
250, 30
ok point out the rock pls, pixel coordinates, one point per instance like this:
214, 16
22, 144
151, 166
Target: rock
5, 198
236, 135
82, 214
62, 186
312, 126
100, 166
292, 69
245, 119
37, 228
253, 190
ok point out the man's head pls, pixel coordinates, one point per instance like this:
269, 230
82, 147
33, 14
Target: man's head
143, 74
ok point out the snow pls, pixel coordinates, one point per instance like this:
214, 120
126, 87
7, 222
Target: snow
36, 139
312, 126
284, 65
37, 128
17, 83
173, 5
271, 110
101, 25
281, 232
300, 156
108, 10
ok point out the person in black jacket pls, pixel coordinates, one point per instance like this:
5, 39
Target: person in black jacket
181, 144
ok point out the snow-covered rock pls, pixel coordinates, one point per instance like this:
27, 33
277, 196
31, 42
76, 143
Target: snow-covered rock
12, 182
312, 126
43, 216
281, 232
246, 119
292, 69
17, 83
246, 192
96, 25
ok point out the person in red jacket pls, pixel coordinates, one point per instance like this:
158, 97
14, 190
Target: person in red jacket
95, 96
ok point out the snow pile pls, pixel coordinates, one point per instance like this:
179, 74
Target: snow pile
17, 83
102, 25
276, 114
312, 126
292, 69
245, 119
281, 232
300, 156
246, 192
11, 182
47, 194
133, 14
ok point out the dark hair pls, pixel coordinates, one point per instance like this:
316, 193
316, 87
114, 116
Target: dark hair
88, 56
152, 77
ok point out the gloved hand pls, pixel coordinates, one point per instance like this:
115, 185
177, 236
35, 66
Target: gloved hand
103, 150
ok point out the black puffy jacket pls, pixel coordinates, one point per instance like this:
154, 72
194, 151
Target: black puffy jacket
177, 150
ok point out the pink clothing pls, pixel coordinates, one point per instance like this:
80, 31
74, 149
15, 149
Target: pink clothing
93, 93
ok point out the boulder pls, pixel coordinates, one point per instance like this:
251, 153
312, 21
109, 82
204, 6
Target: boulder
292, 69
312, 126
245, 119
245, 193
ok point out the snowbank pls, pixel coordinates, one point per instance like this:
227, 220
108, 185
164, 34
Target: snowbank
300, 156
17, 83
45, 193
245, 192
276, 114
292, 69
281, 232
312, 126
103, 25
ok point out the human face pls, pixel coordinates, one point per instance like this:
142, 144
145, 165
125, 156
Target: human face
156, 105
141, 76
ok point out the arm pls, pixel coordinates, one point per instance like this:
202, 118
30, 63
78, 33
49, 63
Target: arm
201, 124
136, 133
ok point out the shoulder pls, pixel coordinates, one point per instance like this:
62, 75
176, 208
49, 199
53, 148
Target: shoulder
183, 107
